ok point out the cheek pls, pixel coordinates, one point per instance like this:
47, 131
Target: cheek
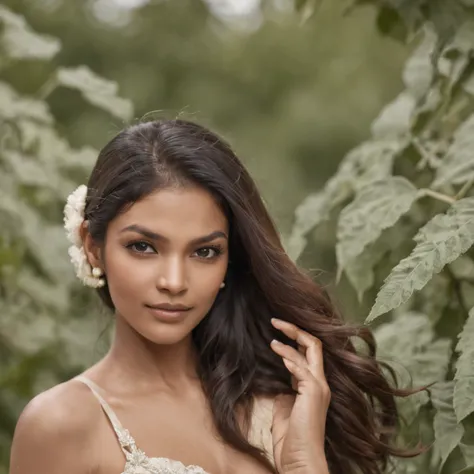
126, 278
205, 282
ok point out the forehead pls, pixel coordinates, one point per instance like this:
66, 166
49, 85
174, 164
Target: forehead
190, 211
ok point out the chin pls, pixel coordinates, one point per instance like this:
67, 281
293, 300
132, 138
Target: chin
166, 334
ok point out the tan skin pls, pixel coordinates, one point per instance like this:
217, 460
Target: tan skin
148, 376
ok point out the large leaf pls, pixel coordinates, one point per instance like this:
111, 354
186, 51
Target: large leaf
29, 171
311, 212
97, 90
456, 56
386, 250
369, 162
418, 72
439, 242
458, 165
395, 119
448, 432
467, 453
45, 241
360, 270
464, 388
20, 42
435, 297
14, 107
376, 207
408, 343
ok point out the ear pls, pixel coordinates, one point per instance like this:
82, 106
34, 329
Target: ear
91, 249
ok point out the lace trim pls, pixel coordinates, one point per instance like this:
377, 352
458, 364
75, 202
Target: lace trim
138, 459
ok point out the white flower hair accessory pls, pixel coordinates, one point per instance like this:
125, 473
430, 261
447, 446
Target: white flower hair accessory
73, 219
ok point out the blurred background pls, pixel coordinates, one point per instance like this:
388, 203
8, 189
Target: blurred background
291, 95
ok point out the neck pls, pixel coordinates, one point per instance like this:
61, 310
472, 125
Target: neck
145, 366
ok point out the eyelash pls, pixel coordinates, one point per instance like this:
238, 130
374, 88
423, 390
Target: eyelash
218, 249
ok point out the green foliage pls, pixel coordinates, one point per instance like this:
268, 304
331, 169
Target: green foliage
464, 387
414, 179
36, 164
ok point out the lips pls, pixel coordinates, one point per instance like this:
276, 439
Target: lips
170, 307
168, 313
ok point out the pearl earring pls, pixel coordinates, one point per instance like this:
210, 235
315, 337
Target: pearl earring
222, 284
95, 281
97, 272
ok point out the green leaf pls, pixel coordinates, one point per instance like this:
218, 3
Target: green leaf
447, 18
376, 207
97, 90
448, 432
463, 268
84, 158
30, 171
418, 72
397, 13
45, 241
408, 343
457, 166
20, 42
27, 170
311, 212
439, 242
467, 453
456, 56
48, 150
369, 162
464, 387
395, 119
435, 296
13, 106
360, 270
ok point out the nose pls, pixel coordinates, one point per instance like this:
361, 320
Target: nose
171, 275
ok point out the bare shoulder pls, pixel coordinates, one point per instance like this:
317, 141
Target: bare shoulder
54, 430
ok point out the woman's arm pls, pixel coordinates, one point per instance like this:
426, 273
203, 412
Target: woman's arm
52, 436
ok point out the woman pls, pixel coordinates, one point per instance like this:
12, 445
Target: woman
201, 377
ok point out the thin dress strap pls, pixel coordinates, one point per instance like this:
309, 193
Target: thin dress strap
127, 443
261, 426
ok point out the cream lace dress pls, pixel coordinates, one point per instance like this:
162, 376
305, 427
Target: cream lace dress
137, 462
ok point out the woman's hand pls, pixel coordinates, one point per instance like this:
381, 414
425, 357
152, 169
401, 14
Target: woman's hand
299, 423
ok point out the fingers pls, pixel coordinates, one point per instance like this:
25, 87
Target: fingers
310, 351
289, 353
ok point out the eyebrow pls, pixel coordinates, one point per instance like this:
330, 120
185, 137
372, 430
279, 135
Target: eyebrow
154, 236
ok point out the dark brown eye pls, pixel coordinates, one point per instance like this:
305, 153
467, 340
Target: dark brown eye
208, 253
140, 247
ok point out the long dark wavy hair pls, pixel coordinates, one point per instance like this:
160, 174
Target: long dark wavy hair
236, 362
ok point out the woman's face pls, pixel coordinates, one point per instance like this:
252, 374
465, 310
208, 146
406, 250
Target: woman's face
170, 247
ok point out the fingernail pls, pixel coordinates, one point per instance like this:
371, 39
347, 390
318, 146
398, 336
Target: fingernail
274, 341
